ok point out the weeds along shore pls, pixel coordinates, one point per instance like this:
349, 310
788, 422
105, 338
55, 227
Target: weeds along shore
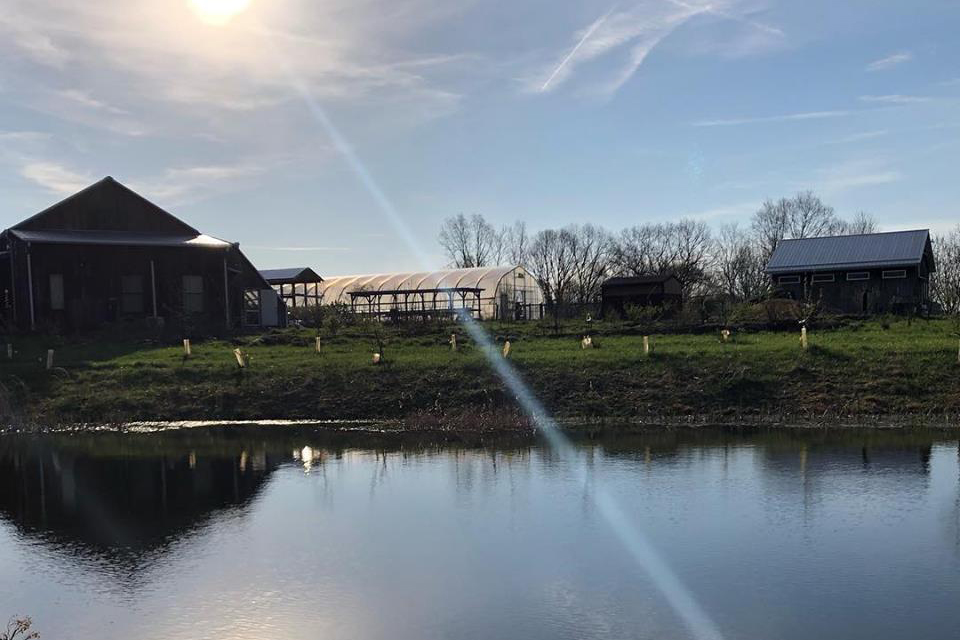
878, 372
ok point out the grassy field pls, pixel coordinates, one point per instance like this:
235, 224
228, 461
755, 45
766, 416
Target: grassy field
859, 372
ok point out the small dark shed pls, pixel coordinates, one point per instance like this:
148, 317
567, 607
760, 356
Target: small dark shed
858, 274
644, 291
107, 254
286, 282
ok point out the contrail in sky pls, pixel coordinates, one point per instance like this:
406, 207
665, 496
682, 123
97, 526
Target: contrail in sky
576, 48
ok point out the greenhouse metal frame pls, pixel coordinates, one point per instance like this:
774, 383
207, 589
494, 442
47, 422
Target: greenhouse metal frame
504, 292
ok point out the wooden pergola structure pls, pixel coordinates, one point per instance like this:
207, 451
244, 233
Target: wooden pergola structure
417, 303
298, 286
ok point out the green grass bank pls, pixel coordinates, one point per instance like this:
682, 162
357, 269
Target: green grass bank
859, 372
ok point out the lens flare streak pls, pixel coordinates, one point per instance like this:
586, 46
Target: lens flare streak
674, 591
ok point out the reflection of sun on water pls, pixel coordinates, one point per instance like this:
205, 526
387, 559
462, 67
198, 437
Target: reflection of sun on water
218, 11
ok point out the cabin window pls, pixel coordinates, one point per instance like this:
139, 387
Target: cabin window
894, 274
131, 294
789, 280
858, 275
193, 294
56, 291
823, 277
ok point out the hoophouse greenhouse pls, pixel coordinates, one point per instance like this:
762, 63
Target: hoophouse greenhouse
505, 293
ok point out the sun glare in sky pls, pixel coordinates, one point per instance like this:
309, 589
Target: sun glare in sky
218, 11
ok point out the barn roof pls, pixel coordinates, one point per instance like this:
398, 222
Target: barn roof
131, 238
865, 251
291, 275
106, 194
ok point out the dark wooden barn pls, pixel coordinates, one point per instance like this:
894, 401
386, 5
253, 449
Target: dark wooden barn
107, 255
860, 274
645, 291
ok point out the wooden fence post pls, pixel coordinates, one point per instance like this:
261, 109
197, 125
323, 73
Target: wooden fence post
646, 345
186, 346
49, 358
803, 337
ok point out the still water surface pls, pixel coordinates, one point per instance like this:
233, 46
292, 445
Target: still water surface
262, 533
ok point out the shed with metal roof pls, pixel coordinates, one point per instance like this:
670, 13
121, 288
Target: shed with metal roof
857, 274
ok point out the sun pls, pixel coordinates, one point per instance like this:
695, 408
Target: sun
218, 12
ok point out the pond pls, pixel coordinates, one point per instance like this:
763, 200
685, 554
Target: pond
289, 533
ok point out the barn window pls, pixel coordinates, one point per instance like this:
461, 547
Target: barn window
131, 294
894, 274
193, 294
56, 291
823, 277
789, 280
858, 275
251, 307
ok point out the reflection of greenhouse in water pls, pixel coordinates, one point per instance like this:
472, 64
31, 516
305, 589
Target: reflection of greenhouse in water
505, 293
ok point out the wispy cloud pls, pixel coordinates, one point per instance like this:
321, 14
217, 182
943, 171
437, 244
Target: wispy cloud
23, 136
84, 99
858, 137
28, 37
890, 61
55, 177
735, 211
624, 37
854, 174
895, 98
185, 183
789, 117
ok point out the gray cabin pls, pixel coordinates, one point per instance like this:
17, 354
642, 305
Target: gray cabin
859, 274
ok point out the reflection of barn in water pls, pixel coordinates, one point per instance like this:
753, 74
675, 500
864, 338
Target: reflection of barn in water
109, 501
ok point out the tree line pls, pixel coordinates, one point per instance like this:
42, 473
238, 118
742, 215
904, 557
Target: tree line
570, 263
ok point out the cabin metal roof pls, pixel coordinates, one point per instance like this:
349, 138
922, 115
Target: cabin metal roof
291, 275
128, 238
866, 251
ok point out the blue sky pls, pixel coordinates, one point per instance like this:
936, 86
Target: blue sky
551, 112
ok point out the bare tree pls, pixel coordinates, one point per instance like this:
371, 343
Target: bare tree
691, 244
862, 222
945, 281
811, 218
802, 216
515, 243
739, 265
590, 257
681, 248
470, 242
770, 225
551, 265
639, 251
